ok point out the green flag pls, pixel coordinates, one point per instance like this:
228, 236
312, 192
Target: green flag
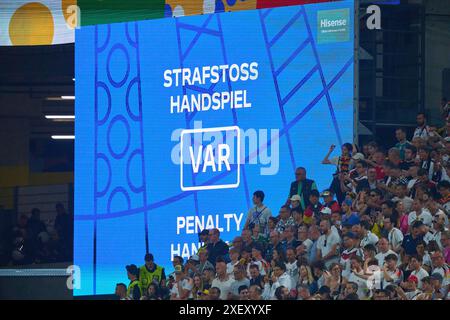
110, 11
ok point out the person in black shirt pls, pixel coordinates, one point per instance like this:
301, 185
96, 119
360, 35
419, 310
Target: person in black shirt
301, 186
255, 276
216, 247
289, 238
410, 241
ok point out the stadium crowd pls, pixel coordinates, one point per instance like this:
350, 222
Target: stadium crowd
379, 232
33, 242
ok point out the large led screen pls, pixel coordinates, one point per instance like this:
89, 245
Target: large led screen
179, 121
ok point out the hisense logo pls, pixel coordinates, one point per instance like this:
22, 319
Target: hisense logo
326, 23
333, 25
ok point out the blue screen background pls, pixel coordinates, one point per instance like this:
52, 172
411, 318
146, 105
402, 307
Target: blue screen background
127, 189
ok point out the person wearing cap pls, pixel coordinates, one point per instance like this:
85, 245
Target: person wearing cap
407, 290
329, 202
296, 203
314, 207
333, 218
301, 186
191, 266
150, 272
134, 291
182, 288
259, 214
350, 244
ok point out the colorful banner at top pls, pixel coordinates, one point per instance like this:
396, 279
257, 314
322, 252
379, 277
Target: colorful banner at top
47, 22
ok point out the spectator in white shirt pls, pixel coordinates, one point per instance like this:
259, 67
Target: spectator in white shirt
439, 266
328, 244
279, 278
422, 130
240, 279
222, 281
355, 277
383, 251
391, 273
395, 236
350, 251
421, 247
438, 229
366, 236
419, 213
259, 214
415, 264
291, 265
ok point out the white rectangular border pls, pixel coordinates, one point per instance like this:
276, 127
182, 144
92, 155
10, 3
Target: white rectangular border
219, 186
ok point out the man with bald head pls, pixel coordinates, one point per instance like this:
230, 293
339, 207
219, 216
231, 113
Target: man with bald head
302, 187
328, 244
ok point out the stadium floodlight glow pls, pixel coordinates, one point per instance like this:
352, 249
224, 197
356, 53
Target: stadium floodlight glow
60, 117
63, 137
68, 97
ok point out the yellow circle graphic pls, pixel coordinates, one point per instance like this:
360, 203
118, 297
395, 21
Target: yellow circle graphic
69, 11
31, 24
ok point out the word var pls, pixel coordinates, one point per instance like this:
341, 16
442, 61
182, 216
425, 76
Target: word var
223, 156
